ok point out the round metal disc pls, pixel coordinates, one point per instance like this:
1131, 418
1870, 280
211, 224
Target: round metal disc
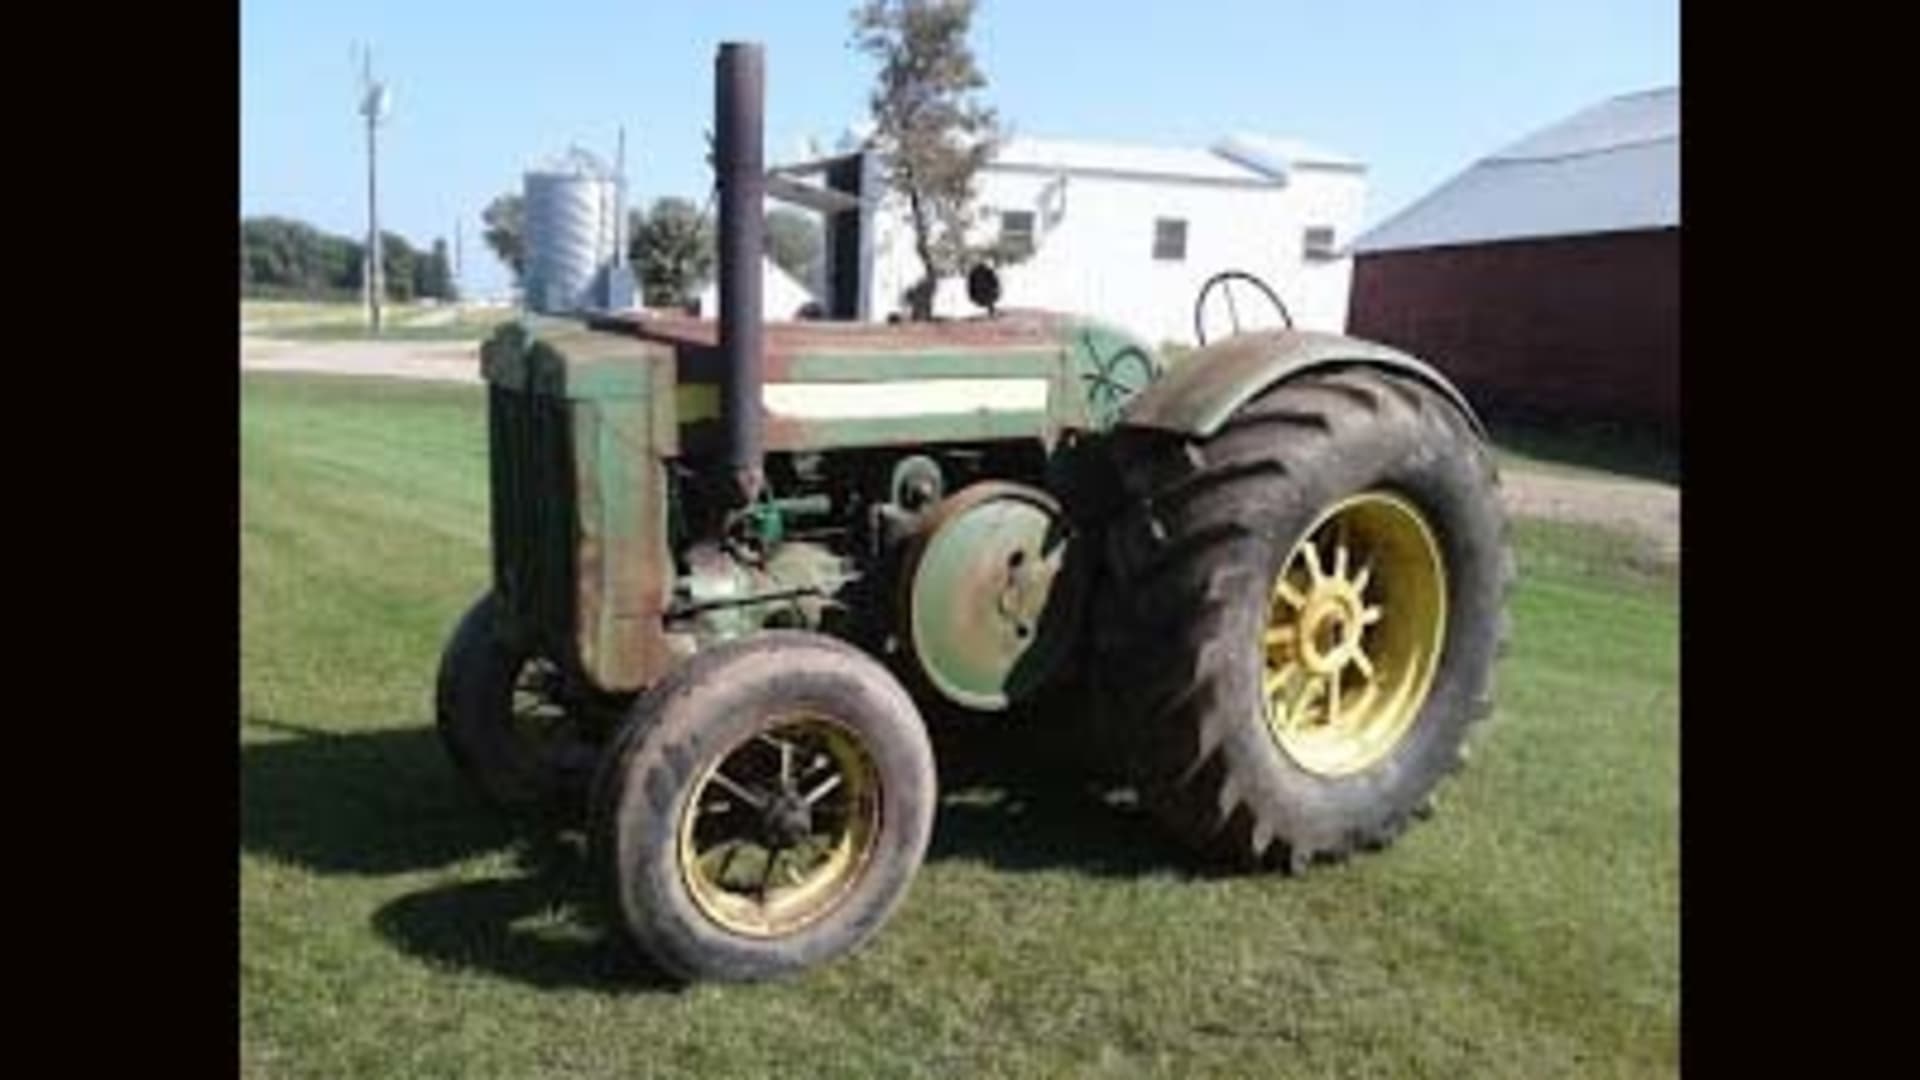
993, 597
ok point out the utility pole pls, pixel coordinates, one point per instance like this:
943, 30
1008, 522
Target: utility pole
373, 106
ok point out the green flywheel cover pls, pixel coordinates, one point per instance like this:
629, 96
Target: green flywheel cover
994, 597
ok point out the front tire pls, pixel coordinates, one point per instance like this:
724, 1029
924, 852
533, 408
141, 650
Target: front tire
764, 808
1305, 618
504, 722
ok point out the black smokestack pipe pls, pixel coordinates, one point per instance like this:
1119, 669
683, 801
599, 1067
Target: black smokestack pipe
739, 107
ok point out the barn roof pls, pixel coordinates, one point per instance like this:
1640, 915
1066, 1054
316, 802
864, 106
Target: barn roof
1613, 167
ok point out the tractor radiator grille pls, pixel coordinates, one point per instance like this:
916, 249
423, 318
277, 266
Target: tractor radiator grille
533, 513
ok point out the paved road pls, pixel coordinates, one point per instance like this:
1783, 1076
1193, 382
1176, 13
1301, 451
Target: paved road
1647, 507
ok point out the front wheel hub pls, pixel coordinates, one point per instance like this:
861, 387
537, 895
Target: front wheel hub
788, 822
780, 827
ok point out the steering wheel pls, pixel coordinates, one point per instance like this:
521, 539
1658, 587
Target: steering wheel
1223, 281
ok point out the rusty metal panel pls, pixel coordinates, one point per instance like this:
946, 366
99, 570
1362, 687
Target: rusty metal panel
580, 495
625, 570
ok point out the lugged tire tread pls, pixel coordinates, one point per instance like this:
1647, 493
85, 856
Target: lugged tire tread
1172, 730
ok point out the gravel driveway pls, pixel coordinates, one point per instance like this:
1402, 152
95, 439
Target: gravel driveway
441, 361
1646, 507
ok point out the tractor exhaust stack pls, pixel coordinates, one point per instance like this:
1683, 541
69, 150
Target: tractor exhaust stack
740, 169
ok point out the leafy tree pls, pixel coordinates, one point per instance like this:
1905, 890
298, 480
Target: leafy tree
291, 257
794, 241
673, 250
432, 274
397, 261
449, 289
932, 136
506, 232
285, 257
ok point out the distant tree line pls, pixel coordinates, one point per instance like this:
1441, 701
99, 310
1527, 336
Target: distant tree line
672, 245
283, 257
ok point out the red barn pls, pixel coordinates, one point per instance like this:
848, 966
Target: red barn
1545, 279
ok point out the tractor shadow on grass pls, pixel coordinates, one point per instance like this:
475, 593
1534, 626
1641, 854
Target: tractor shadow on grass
385, 802
545, 928
370, 802
1014, 796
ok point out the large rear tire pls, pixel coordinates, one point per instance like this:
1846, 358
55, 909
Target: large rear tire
764, 808
1305, 616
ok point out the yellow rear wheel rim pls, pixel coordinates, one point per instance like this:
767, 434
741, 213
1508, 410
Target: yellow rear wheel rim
1354, 633
778, 830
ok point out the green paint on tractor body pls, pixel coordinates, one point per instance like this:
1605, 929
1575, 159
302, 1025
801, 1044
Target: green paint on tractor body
634, 406
604, 434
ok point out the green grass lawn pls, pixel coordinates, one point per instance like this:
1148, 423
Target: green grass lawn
391, 926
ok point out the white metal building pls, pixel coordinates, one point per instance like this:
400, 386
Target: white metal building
1131, 233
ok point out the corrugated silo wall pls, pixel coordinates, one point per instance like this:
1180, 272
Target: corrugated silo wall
1578, 328
569, 237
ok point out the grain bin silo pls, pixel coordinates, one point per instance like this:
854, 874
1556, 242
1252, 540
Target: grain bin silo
574, 235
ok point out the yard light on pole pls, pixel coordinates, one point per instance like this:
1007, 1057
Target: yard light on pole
375, 103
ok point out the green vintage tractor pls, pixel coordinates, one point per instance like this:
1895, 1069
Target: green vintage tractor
730, 556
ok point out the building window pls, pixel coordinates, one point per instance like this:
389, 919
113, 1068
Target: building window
1318, 242
1170, 238
1016, 232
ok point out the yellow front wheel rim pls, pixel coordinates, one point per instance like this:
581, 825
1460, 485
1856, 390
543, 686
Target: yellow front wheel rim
778, 829
1354, 632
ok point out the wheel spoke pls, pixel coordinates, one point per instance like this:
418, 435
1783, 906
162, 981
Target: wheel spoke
726, 861
1340, 556
826, 786
1287, 591
766, 873
745, 795
1361, 579
1309, 692
1333, 699
1283, 713
1280, 635
1371, 615
1361, 661
1278, 677
1314, 571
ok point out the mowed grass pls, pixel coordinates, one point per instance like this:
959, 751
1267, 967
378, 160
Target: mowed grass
392, 926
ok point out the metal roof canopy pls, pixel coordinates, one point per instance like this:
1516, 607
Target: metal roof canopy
1240, 158
1614, 167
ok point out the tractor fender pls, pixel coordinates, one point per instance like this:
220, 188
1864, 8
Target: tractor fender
1196, 396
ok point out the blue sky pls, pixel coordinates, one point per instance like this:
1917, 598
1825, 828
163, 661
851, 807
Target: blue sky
482, 89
